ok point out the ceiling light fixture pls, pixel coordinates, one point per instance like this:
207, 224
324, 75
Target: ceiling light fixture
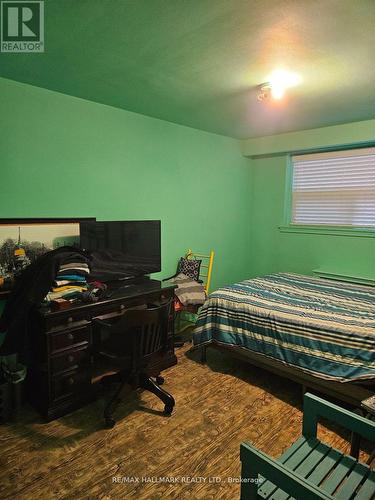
278, 81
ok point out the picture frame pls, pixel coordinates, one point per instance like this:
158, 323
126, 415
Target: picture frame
22, 240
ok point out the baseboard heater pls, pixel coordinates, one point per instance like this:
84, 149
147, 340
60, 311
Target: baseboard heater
351, 278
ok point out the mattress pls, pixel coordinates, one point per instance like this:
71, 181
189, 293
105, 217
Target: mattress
323, 327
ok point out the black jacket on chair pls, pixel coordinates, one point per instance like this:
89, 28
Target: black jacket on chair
29, 290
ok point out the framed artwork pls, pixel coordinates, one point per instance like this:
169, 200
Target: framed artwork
24, 240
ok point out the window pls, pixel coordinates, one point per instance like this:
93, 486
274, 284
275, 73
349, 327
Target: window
334, 189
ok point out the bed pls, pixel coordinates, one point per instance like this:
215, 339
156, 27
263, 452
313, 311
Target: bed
316, 331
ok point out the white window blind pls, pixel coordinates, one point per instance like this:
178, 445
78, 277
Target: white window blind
335, 188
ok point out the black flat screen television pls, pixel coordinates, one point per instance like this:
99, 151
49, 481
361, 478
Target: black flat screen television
122, 250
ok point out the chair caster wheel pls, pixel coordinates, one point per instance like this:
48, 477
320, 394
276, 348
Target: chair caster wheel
109, 423
168, 409
159, 380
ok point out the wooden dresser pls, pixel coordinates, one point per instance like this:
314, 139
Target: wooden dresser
62, 362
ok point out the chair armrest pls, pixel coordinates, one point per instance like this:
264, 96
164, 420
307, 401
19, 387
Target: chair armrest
256, 462
315, 407
170, 277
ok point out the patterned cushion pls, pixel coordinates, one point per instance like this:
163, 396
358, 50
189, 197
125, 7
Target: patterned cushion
189, 267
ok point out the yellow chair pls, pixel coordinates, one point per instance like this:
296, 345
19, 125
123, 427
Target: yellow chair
205, 275
207, 263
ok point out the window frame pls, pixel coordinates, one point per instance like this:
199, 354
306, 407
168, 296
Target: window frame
288, 226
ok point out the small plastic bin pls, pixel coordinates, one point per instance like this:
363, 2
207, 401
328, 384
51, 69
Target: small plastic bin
5, 401
11, 387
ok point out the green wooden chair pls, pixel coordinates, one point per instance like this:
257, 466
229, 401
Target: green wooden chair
310, 469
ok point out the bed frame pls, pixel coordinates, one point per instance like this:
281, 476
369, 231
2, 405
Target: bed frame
347, 392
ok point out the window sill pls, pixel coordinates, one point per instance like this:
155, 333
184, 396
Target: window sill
333, 231
340, 276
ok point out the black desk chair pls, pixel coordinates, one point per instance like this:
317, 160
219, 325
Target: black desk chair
128, 345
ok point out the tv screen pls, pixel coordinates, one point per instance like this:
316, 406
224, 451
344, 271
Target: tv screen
122, 249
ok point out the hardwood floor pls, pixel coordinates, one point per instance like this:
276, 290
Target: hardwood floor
218, 405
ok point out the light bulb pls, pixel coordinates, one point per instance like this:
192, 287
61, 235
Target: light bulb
277, 92
280, 80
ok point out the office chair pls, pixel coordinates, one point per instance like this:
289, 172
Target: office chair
128, 345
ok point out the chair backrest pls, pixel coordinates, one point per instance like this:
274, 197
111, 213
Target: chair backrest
148, 329
139, 333
206, 266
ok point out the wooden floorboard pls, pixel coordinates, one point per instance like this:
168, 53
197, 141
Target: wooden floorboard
218, 405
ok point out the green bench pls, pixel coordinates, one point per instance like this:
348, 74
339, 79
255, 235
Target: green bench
310, 469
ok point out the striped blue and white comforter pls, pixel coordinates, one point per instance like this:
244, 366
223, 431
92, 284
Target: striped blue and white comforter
324, 327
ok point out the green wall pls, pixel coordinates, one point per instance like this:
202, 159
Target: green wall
62, 156
273, 250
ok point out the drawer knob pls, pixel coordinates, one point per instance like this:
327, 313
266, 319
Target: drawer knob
70, 358
70, 336
70, 381
122, 307
70, 319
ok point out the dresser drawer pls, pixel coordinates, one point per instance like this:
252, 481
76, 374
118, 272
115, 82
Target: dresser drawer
68, 384
74, 358
76, 319
69, 338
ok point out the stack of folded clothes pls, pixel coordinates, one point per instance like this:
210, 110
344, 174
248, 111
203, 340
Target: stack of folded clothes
71, 281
